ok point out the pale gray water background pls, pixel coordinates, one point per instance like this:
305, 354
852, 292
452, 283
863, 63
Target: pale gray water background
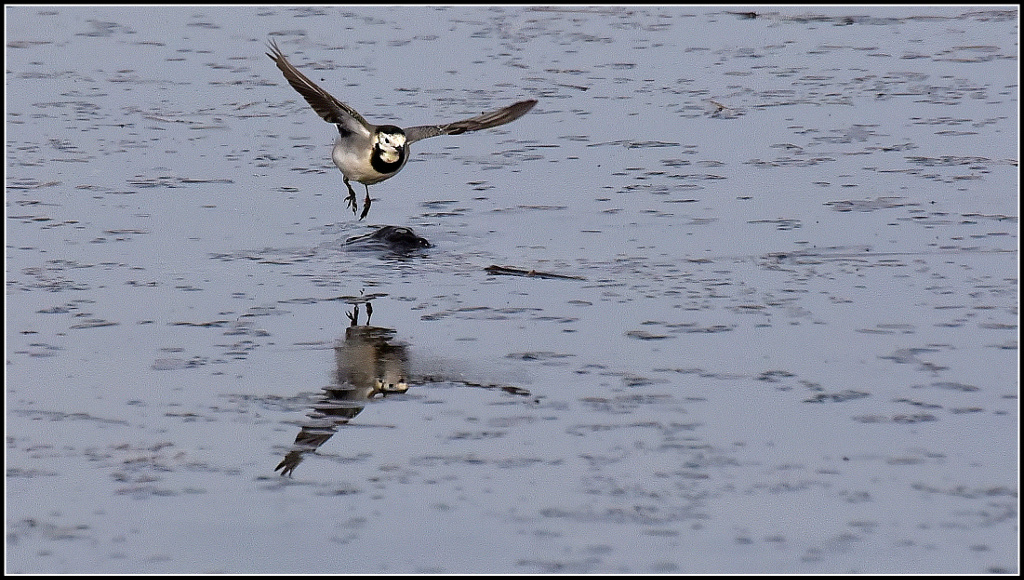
795, 347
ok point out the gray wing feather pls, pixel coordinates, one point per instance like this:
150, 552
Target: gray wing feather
484, 121
329, 108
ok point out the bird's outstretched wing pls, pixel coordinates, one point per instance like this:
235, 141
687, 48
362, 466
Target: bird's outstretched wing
331, 109
484, 121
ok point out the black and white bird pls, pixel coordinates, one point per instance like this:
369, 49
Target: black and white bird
370, 153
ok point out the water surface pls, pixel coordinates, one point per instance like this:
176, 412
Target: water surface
783, 334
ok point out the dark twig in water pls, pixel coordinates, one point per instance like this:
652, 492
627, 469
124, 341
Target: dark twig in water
508, 271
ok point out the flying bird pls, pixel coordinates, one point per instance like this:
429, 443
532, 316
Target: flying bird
370, 153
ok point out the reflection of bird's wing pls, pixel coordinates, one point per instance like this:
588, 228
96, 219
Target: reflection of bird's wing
484, 121
331, 109
290, 462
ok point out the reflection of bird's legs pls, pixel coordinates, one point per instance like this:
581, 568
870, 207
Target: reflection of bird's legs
366, 203
351, 199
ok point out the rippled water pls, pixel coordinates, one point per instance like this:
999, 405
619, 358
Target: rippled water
758, 310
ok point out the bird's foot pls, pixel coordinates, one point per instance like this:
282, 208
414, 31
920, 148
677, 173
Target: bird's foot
366, 206
350, 201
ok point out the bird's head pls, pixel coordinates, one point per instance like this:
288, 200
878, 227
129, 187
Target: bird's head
389, 143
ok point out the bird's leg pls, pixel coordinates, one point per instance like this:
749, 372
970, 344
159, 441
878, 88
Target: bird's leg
350, 201
366, 202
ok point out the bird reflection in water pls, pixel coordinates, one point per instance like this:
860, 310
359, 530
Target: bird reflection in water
369, 363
